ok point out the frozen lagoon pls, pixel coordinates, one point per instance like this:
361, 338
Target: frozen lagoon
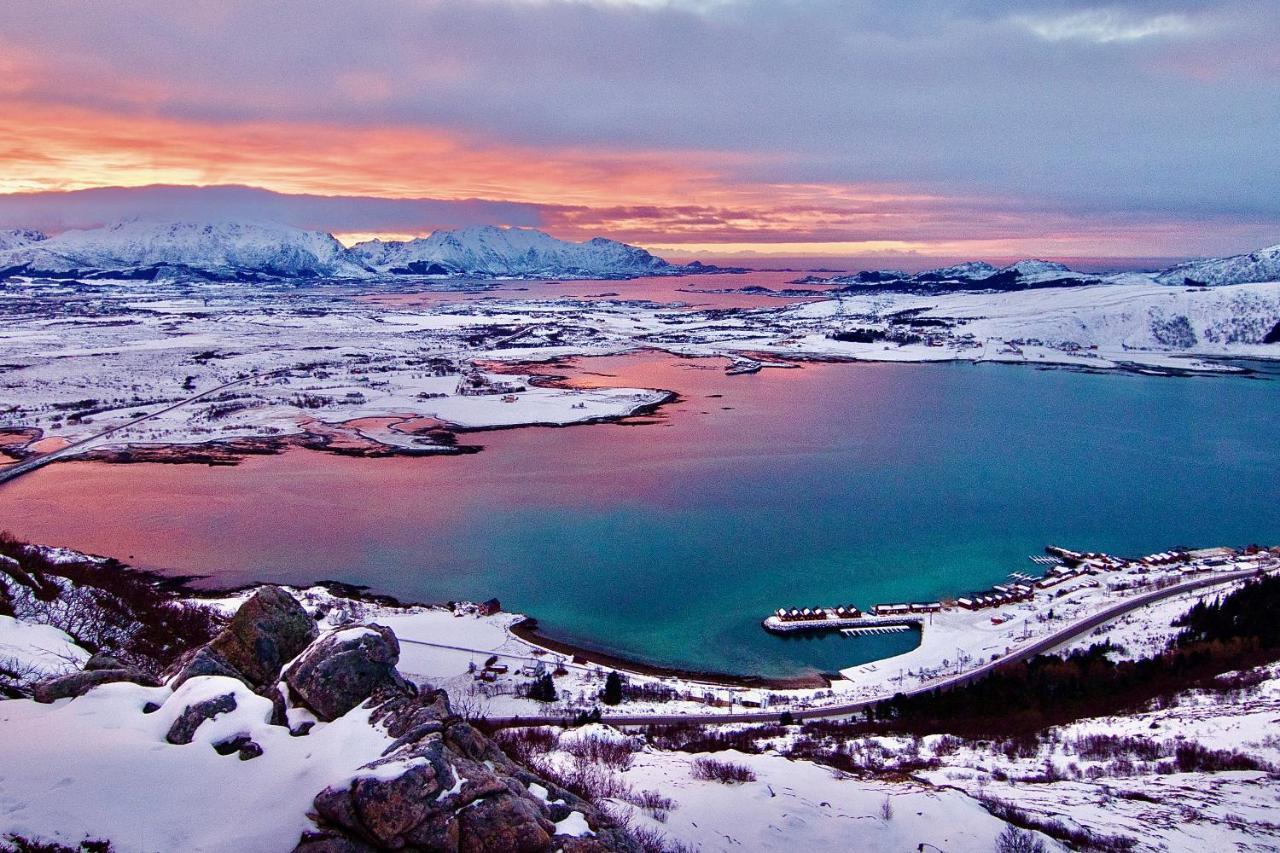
668, 541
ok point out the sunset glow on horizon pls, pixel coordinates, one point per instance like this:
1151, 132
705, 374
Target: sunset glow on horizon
719, 143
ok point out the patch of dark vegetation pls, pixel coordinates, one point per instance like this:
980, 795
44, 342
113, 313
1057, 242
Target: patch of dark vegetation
1237, 632
1074, 838
726, 772
104, 606
691, 737
23, 844
1191, 757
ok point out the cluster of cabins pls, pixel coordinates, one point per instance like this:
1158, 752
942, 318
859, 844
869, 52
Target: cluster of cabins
905, 609
1165, 558
998, 596
806, 614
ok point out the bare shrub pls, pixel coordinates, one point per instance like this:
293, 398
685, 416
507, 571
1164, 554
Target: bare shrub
714, 770
1014, 840
1191, 757
652, 802
524, 745
612, 753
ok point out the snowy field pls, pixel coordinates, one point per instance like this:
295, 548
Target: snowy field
200, 363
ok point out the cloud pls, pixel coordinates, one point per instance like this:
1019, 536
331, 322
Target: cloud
91, 208
1104, 26
1163, 110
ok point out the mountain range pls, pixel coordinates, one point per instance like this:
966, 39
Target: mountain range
259, 250
1260, 266
252, 251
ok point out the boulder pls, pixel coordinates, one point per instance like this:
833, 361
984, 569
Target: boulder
444, 786
79, 683
184, 728
268, 631
344, 668
201, 661
102, 660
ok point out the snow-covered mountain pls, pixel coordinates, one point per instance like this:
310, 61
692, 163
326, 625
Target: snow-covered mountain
234, 250
489, 251
973, 271
12, 238
229, 250
1263, 265
971, 276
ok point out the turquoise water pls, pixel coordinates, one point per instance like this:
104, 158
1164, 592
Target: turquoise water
669, 541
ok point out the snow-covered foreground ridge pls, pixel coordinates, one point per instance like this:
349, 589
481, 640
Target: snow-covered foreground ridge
325, 707
295, 729
251, 250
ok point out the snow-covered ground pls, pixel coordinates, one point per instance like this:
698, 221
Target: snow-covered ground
79, 358
798, 805
81, 767
98, 766
1127, 791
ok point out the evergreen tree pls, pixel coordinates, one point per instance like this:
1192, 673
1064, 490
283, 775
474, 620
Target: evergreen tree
543, 689
612, 689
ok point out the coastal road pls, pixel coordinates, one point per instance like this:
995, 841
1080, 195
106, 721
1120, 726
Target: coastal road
13, 472
1044, 644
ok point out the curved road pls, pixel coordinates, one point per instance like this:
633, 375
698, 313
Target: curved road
13, 472
1040, 646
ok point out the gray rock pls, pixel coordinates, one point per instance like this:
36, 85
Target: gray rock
345, 668
268, 631
201, 661
102, 660
184, 728
79, 683
445, 786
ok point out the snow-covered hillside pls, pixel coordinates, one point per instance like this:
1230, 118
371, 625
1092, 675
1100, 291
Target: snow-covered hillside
1262, 265
973, 275
489, 251
12, 238
137, 249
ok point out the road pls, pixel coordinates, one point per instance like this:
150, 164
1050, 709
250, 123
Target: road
13, 472
1044, 644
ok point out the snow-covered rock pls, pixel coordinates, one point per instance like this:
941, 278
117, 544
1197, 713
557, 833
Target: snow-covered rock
138, 249
972, 270
1034, 266
1262, 265
489, 251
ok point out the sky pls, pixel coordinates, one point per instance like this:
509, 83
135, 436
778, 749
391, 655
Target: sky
968, 128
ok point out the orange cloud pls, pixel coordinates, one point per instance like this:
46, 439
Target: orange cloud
691, 201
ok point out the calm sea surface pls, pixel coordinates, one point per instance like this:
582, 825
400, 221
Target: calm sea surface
668, 541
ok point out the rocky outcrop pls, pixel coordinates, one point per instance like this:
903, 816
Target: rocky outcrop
79, 683
268, 631
344, 668
184, 727
443, 786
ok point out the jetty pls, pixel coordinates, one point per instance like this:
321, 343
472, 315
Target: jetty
849, 620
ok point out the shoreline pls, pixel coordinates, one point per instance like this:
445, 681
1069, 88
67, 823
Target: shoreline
230, 452
528, 630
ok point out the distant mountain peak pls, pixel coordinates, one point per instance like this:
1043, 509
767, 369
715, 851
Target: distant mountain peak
488, 250
1259, 266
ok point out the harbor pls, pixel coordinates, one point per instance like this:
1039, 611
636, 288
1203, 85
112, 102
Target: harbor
1019, 599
